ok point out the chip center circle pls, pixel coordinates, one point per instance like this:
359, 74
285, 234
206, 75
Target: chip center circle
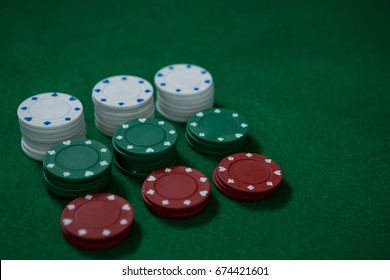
176, 186
77, 157
183, 79
249, 171
216, 125
145, 135
97, 214
49, 109
124, 90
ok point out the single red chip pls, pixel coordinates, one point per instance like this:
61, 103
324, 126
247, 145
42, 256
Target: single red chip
249, 173
176, 187
97, 217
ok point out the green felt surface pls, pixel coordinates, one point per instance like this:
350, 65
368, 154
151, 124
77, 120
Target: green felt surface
311, 77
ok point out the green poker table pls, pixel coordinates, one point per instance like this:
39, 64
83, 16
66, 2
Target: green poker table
311, 77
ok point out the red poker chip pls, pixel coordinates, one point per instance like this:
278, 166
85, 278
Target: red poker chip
234, 194
173, 211
93, 245
97, 219
178, 214
176, 188
249, 173
226, 187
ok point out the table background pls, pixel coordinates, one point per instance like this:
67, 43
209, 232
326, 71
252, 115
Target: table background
312, 78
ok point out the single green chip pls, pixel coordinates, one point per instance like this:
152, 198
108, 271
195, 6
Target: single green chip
145, 137
78, 160
218, 125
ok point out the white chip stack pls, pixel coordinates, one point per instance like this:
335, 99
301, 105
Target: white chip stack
182, 90
120, 99
48, 118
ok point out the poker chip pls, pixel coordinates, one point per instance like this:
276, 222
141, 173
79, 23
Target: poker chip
97, 221
77, 166
48, 118
176, 192
216, 131
119, 99
143, 145
247, 176
182, 90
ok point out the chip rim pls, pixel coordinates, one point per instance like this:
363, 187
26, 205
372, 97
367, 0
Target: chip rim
76, 111
196, 198
169, 141
102, 165
224, 166
73, 228
241, 131
98, 96
159, 80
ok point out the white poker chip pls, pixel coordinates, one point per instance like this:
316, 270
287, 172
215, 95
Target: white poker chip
112, 114
34, 154
183, 89
170, 116
49, 111
187, 111
122, 92
55, 137
183, 79
183, 104
47, 134
112, 124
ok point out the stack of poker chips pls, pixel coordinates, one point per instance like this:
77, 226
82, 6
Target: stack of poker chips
76, 167
176, 192
182, 90
97, 221
48, 118
216, 131
143, 145
119, 99
247, 176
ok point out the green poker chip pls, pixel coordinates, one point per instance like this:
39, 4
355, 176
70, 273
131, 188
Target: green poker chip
145, 137
77, 187
77, 160
142, 158
130, 172
141, 173
218, 126
52, 188
143, 145
132, 165
210, 150
213, 146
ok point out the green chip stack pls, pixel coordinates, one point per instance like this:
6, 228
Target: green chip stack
77, 167
144, 145
216, 131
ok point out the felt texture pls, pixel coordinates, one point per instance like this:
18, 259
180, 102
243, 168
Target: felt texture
312, 78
